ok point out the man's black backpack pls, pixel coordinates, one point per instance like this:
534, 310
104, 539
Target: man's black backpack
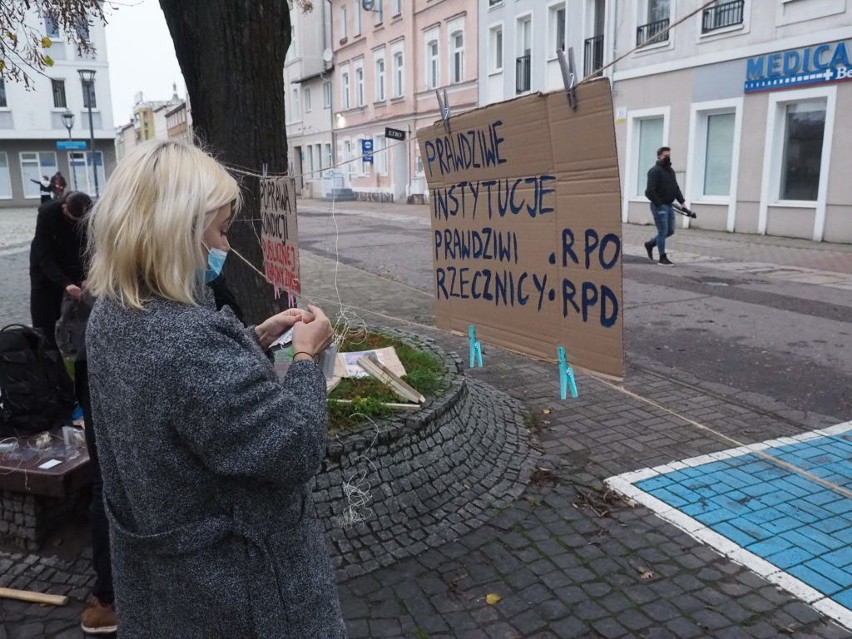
36, 392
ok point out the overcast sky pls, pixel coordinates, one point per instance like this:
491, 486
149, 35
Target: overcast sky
141, 56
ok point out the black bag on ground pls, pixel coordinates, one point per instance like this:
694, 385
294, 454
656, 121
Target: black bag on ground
36, 392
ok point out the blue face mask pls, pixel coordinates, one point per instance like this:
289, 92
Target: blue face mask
215, 263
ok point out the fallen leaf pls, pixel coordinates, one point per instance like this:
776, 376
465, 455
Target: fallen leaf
547, 411
492, 598
647, 575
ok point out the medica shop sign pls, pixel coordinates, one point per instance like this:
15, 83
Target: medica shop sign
818, 64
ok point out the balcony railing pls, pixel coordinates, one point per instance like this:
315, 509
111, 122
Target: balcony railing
651, 33
522, 73
724, 15
593, 56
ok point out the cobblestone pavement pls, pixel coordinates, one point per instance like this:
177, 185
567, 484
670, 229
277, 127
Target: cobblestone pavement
567, 559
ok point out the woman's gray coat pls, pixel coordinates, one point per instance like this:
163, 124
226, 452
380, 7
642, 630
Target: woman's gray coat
205, 457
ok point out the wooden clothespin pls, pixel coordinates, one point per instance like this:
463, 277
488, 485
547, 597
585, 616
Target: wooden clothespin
444, 106
475, 348
569, 75
566, 376
382, 373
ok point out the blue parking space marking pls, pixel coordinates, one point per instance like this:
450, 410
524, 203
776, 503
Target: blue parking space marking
800, 525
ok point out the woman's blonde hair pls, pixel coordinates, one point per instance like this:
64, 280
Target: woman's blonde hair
145, 233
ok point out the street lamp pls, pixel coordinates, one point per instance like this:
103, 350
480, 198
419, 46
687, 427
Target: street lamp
68, 121
88, 78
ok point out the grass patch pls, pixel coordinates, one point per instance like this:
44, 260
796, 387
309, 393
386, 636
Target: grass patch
424, 371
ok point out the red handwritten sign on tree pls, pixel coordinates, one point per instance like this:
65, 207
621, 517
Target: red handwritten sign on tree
280, 234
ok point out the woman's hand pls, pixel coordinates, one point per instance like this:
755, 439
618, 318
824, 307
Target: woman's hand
312, 337
277, 325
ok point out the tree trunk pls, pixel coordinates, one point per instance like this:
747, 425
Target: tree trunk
232, 54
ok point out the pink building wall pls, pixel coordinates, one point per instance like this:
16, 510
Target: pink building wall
398, 174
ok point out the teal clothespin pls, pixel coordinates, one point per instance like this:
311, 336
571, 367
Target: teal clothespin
475, 348
566, 375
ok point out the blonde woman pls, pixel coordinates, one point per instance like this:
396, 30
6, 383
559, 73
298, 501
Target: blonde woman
205, 455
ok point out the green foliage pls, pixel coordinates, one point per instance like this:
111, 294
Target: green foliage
369, 397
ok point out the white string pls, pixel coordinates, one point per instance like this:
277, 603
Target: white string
357, 489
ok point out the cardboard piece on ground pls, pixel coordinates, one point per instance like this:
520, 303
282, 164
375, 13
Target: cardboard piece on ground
525, 204
347, 363
280, 234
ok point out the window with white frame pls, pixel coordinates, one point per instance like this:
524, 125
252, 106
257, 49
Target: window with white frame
326, 158
718, 156
380, 78
307, 99
359, 86
649, 133
433, 64
344, 90
556, 29
51, 26
33, 167
457, 53
58, 89
5, 177
801, 159
658, 10
295, 104
326, 95
523, 61
397, 7
653, 22
347, 156
89, 97
356, 14
380, 154
343, 22
378, 12
398, 74
495, 48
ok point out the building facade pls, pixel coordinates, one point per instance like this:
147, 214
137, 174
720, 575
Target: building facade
32, 123
308, 72
390, 56
750, 95
179, 122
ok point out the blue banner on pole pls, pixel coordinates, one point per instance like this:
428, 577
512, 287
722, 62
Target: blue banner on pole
72, 145
367, 150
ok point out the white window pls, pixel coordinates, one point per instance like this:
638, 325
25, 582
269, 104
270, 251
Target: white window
33, 167
58, 87
523, 61
295, 105
718, 153
51, 26
378, 11
326, 95
495, 48
356, 11
344, 89
89, 97
326, 158
359, 86
5, 177
801, 159
658, 10
457, 47
398, 75
82, 162
380, 155
347, 156
654, 20
397, 7
380, 79
343, 22
556, 22
433, 68
316, 152
3, 103
650, 136
307, 100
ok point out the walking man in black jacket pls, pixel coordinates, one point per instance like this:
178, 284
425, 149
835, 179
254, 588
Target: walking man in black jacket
662, 190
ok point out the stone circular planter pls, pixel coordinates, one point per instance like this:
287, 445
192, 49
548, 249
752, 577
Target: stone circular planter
416, 480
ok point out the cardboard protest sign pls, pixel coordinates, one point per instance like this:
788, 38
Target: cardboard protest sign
280, 234
525, 205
